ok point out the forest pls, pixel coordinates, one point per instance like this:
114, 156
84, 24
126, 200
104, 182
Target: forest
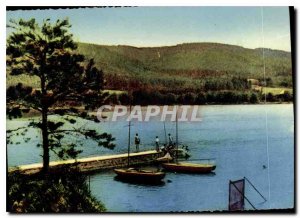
194, 73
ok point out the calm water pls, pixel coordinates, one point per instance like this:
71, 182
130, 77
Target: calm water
236, 136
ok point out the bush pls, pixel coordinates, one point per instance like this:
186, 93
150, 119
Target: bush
270, 97
211, 97
170, 98
201, 98
189, 98
253, 98
244, 97
64, 192
125, 99
113, 99
286, 96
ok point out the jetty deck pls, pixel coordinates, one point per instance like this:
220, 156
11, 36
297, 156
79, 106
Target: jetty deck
96, 163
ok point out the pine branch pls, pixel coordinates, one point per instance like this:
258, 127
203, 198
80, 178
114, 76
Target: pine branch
25, 105
15, 130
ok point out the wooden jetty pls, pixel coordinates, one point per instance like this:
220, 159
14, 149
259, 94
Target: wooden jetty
91, 164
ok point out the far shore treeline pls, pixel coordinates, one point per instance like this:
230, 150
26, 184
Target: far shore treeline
217, 97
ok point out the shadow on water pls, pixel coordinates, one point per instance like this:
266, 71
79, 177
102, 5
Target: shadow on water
140, 182
211, 174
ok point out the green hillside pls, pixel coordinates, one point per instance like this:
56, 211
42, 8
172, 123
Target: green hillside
193, 57
186, 67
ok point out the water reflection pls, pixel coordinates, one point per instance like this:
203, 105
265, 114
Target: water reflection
211, 174
145, 183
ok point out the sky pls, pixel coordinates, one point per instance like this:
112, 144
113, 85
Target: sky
250, 27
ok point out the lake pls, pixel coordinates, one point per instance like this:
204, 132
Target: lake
242, 139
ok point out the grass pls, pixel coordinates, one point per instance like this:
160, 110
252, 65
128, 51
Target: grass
276, 91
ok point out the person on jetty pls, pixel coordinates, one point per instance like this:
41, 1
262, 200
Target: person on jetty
171, 143
157, 143
137, 142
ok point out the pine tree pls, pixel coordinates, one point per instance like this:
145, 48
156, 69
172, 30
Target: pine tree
48, 51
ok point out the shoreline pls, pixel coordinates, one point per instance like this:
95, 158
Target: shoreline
33, 114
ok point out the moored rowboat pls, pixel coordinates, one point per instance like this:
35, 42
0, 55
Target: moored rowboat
140, 175
184, 167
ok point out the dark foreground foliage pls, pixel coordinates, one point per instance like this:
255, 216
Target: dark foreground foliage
63, 192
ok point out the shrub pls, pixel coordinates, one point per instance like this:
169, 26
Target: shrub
63, 192
201, 98
253, 98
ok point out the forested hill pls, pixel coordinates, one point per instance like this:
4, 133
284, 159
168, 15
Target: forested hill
188, 65
191, 67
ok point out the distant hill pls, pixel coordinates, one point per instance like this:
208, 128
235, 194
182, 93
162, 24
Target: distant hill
183, 62
193, 56
189, 66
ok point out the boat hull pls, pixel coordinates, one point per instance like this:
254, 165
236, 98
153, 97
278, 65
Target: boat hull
189, 168
140, 176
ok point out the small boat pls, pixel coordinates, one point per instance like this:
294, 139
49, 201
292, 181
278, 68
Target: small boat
185, 167
139, 175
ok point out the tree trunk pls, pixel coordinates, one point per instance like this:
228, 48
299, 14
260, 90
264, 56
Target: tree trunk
45, 140
44, 119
